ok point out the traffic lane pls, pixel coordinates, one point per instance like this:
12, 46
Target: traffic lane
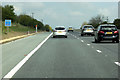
111, 49
108, 48
13, 52
107, 44
67, 58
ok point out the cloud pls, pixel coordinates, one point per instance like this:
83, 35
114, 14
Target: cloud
25, 7
48, 13
110, 12
76, 13
18, 10
65, 13
104, 12
59, 0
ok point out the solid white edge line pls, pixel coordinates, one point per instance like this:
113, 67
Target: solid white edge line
117, 63
99, 51
21, 63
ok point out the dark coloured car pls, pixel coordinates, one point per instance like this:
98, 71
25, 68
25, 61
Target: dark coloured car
107, 32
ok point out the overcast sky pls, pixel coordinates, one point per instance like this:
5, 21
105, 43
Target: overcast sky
66, 13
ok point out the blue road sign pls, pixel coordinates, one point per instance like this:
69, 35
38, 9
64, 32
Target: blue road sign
7, 22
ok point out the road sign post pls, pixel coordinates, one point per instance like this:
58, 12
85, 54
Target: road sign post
7, 24
36, 28
7, 29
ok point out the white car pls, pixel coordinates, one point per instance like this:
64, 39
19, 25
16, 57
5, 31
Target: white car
59, 31
87, 29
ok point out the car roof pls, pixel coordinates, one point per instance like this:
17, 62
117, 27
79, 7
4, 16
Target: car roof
107, 25
87, 25
60, 26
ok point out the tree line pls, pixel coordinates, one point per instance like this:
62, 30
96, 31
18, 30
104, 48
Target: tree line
23, 19
101, 19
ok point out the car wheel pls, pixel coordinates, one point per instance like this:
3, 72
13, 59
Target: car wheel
117, 41
96, 41
92, 34
81, 34
113, 41
65, 36
53, 36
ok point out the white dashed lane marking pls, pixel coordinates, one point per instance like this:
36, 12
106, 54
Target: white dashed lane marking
117, 63
82, 41
99, 51
88, 44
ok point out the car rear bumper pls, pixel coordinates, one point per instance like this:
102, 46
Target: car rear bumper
88, 33
59, 34
70, 30
109, 37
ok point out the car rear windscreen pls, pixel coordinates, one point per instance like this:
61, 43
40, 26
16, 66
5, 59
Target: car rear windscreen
60, 28
108, 28
88, 27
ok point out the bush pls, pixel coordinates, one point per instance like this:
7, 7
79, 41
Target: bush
117, 23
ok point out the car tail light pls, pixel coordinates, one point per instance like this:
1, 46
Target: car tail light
116, 32
101, 32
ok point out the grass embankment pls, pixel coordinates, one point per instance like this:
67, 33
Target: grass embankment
0, 30
15, 30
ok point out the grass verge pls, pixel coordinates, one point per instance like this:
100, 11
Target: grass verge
15, 30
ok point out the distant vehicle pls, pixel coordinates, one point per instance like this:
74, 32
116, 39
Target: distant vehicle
70, 29
107, 32
59, 31
87, 29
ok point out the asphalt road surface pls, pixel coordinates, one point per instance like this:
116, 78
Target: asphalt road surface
72, 57
13, 52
